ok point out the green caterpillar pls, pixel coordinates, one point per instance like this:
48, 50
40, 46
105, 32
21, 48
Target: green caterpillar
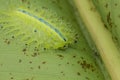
36, 26
34, 36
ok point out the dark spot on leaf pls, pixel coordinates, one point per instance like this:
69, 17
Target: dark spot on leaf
72, 64
82, 58
44, 48
59, 64
76, 36
39, 67
30, 62
68, 63
108, 17
44, 7
105, 26
26, 44
61, 72
93, 70
60, 7
74, 56
64, 46
44, 62
13, 37
28, 7
34, 54
78, 73
109, 20
20, 60
96, 54
7, 41
11, 78
93, 9
27, 79
1, 26
116, 4
35, 30
36, 49
10, 73
78, 62
106, 5
86, 65
31, 68
87, 78
24, 50
75, 41
119, 16
115, 38
61, 56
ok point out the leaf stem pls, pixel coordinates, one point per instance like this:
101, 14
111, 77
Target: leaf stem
101, 37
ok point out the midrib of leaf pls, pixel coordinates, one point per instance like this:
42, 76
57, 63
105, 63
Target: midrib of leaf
101, 37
